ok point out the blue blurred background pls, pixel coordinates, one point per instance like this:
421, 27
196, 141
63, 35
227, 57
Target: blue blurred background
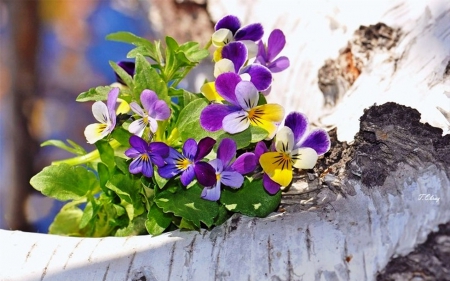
51, 51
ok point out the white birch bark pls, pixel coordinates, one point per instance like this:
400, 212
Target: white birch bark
348, 238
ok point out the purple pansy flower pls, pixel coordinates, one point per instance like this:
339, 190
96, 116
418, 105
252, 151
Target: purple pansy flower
145, 155
227, 171
229, 29
234, 56
243, 109
129, 68
189, 163
106, 115
154, 110
267, 54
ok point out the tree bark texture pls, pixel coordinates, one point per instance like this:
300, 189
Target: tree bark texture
349, 230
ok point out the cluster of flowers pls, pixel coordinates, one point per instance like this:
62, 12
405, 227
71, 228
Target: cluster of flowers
243, 69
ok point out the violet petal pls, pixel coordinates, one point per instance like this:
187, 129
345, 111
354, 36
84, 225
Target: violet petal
226, 84
212, 116
260, 149
187, 176
260, 76
190, 148
129, 68
298, 123
237, 53
270, 186
148, 98
159, 148
138, 143
318, 140
226, 151
229, 22
205, 146
168, 171
253, 32
279, 64
111, 105
245, 163
205, 173
160, 110
275, 44
211, 193
232, 179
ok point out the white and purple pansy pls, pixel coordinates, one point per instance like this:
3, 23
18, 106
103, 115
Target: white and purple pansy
154, 110
228, 171
106, 115
189, 163
228, 29
293, 148
145, 155
242, 109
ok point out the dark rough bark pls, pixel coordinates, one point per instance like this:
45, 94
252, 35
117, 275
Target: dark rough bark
391, 134
429, 261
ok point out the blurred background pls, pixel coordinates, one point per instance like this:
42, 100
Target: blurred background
50, 52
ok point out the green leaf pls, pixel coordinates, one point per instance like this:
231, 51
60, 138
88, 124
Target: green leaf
135, 227
121, 164
146, 77
258, 134
157, 221
242, 139
74, 148
188, 122
188, 204
251, 199
103, 175
128, 37
122, 136
160, 181
106, 153
193, 51
88, 214
190, 112
144, 47
64, 182
223, 216
94, 94
128, 188
122, 74
67, 222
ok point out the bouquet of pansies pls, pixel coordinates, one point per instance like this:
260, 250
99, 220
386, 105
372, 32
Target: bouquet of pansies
167, 158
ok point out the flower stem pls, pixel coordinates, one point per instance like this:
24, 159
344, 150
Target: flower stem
91, 156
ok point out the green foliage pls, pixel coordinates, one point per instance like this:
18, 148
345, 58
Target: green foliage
65, 182
251, 199
188, 204
94, 94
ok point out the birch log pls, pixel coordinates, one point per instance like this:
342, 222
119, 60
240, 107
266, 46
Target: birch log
380, 197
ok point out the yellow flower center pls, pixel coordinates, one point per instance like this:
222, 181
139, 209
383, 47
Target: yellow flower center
254, 115
183, 164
